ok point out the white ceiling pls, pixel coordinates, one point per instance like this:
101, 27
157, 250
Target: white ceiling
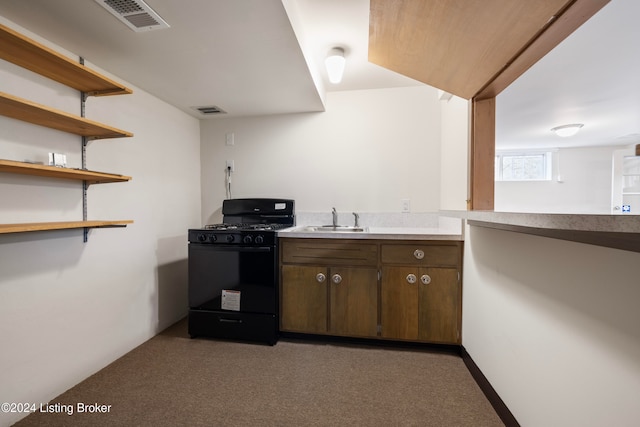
256, 57
592, 77
240, 55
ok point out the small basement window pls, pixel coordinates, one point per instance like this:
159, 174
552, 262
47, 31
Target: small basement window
523, 166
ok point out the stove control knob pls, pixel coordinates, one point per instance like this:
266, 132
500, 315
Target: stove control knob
259, 239
247, 239
230, 238
212, 238
202, 237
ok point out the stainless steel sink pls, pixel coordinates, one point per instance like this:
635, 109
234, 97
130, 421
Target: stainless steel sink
335, 229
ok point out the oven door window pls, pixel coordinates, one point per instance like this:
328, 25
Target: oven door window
251, 272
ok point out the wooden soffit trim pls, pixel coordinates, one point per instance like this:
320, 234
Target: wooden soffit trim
576, 14
464, 47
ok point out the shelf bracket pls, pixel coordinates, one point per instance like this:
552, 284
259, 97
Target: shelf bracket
85, 184
86, 229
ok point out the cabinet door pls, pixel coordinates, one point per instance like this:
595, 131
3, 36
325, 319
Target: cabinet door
304, 299
399, 303
421, 304
440, 305
353, 301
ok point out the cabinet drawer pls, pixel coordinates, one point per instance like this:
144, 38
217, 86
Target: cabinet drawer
423, 254
314, 251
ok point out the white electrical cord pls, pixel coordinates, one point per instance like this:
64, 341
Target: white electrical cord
228, 181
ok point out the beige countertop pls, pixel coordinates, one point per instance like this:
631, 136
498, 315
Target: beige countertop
577, 222
613, 231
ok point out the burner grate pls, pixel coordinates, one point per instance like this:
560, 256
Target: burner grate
242, 226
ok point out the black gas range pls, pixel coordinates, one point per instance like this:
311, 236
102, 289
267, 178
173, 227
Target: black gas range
233, 271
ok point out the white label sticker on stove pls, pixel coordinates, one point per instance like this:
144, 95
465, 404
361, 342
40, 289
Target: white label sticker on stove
230, 300
279, 206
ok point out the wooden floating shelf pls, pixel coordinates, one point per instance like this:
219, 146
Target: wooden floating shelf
46, 226
92, 177
31, 112
40, 59
34, 56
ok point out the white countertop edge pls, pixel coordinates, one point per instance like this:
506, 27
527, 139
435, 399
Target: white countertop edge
577, 222
386, 233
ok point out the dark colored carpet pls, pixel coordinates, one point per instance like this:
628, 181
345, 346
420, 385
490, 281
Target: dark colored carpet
172, 380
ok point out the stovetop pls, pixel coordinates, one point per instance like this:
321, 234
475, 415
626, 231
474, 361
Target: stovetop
249, 222
237, 234
246, 227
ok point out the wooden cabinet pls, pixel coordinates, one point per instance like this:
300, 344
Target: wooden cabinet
408, 291
421, 292
34, 56
421, 304
304, 299
353, 301
329, 287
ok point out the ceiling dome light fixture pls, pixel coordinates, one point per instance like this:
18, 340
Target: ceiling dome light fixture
335, 63
567, 130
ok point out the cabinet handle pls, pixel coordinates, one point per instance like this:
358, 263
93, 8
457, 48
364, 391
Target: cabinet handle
320, 277
336, 278
418, 253
425, 279
411, 278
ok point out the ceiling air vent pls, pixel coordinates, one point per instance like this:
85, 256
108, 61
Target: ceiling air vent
209, 110
135, 14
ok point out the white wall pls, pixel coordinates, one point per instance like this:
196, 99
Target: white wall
455, 147
585, 187
69, 308
365, 153
554, 327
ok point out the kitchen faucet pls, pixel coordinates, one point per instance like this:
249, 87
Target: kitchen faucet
334, 214
356, 219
